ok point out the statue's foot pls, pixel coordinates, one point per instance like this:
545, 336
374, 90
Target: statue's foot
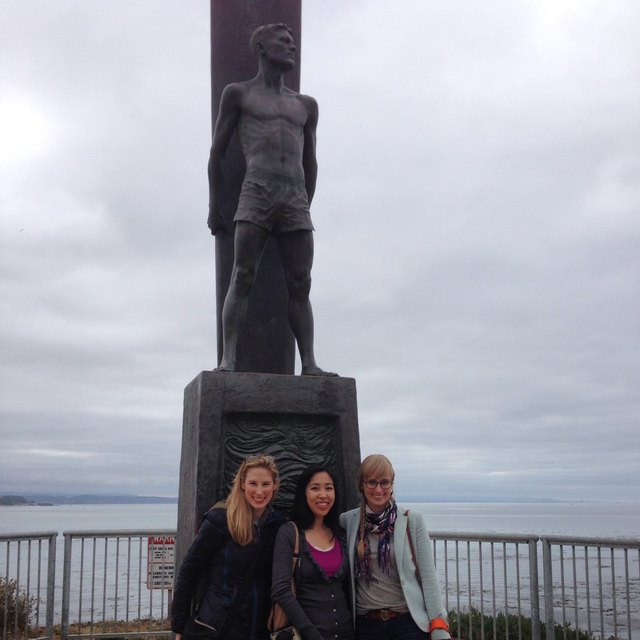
315, 370
223, 369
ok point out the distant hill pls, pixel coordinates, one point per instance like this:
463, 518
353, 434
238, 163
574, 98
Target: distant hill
12, 501
472, 499
51, 499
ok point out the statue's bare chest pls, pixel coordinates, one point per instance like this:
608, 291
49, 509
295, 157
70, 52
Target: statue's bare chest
269, 107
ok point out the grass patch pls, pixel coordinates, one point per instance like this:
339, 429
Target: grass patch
16, 608
511, 627
139, 629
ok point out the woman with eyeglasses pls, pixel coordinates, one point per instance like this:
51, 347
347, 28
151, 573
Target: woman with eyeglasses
319, 608
226, 572
393, 578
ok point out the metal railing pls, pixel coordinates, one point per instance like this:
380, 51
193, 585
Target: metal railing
488, 576
106, 588
593, 584
27, 585
590, 587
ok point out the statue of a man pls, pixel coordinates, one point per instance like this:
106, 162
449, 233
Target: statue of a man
277, 131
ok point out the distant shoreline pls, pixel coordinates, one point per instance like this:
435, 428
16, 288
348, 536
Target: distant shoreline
40, 500
52, 500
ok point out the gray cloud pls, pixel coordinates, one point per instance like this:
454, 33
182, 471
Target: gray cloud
476, 256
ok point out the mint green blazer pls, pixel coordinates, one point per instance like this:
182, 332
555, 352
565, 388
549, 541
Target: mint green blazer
423, 601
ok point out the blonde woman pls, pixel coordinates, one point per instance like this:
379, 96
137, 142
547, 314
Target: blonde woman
394, 598
234, 547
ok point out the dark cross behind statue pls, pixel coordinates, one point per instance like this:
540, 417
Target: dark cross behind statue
266, 343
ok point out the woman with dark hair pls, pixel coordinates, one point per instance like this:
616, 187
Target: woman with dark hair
233, 552
319, 608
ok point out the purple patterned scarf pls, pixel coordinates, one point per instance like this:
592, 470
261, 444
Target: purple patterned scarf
381, 524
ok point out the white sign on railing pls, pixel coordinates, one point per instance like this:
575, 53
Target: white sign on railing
161, 553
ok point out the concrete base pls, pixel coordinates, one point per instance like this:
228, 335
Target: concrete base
300, 420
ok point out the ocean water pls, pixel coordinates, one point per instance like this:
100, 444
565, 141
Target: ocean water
87, 517
601, 519
610, 519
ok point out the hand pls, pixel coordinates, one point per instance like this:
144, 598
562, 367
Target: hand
216, 221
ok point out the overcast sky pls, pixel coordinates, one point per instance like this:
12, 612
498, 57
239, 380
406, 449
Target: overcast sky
477, 238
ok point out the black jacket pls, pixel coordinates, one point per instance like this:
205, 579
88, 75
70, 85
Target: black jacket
225, 564
319, 608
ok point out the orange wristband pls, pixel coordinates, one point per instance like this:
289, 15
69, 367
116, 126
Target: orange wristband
438, 623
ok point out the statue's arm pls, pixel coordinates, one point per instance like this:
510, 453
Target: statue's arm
228, 116
309, 161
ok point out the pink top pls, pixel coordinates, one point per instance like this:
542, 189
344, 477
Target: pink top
329, 561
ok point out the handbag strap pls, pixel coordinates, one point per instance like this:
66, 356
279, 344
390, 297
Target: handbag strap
295, 556
413, 551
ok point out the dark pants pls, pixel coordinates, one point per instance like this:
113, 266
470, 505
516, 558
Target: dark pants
399, 628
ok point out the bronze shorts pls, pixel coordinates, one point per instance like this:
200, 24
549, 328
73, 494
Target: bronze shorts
276, 203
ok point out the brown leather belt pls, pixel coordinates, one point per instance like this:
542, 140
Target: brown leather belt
381, 615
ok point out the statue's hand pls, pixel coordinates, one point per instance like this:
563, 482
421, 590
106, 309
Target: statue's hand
216, 221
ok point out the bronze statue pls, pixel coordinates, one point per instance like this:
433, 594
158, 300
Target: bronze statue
277, 131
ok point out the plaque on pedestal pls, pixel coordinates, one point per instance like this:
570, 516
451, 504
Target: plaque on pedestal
299, 420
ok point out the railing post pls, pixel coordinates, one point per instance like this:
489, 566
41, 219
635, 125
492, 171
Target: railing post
5, 604
66, 587
534, 589
548, 590
51, 585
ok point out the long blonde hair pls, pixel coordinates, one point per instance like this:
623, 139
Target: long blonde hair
239, 513
374, 466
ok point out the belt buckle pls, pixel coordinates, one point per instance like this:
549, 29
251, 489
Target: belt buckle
385, 614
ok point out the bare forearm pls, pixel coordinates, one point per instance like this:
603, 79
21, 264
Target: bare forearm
225, 126
310, 177
214, 171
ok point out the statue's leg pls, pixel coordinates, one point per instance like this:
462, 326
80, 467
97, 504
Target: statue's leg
249, 243
296, 250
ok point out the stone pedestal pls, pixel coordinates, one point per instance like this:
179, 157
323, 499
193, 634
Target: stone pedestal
299, 420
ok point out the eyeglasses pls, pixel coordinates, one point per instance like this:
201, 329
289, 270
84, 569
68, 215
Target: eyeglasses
384, 484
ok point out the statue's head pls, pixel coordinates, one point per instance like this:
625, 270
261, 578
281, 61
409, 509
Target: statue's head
275, 43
